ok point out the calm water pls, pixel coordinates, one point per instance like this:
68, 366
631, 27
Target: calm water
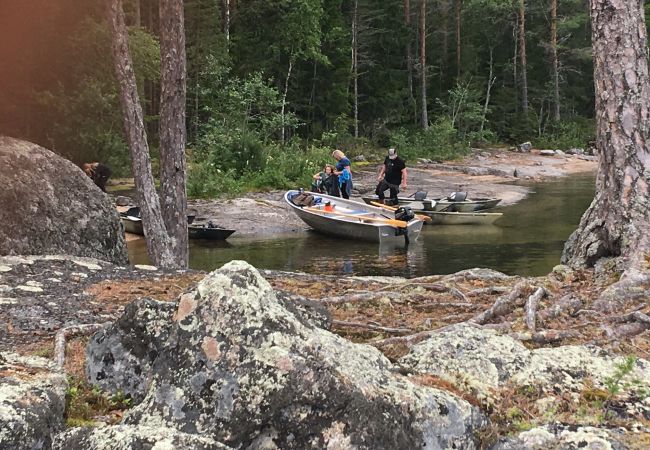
527, 240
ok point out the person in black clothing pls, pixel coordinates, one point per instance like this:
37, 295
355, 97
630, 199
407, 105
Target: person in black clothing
391, 177
99, 173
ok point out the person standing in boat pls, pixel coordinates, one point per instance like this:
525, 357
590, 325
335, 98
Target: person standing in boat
99, 173
344, 173
391, 176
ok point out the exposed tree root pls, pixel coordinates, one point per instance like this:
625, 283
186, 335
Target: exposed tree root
367, 326
531, 308
545, 336
503, 305
67, 332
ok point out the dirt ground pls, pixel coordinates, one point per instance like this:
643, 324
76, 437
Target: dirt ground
484, 173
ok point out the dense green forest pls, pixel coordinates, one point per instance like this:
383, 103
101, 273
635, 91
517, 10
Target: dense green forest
272, 85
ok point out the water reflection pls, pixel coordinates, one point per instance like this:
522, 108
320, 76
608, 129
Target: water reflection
527, 240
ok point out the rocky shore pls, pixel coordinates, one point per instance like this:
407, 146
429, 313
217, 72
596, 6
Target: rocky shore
263, 360
501, 173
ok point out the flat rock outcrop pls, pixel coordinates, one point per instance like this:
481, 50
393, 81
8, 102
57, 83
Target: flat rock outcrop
125, 437
484, 361
49, 206
564, 438
240, 368
32, 401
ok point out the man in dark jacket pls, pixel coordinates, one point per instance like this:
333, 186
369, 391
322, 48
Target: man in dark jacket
391, 176
99, 173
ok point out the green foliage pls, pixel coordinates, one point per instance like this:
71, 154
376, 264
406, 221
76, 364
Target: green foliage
84, 402
568, 134
439, 142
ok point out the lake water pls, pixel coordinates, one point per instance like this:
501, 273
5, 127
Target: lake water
527, 240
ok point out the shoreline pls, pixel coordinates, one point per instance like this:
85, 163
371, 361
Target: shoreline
481, 174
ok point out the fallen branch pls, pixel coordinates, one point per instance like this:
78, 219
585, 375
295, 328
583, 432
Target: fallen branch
568, 303
502, 306
432, 306
487, 291
357, 298
545, 336
366, 326
531, 307
634, 324
67, 332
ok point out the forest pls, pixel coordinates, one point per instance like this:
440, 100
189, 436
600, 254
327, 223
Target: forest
274, 85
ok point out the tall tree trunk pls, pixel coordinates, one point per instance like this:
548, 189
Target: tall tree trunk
515, 56
226, 21
522, 55
554, 62
459, 9
423, 63
137, 17
159, 244
491, 80
445, 6
172, 131
618, 221
355, 65
284, 98
409, 58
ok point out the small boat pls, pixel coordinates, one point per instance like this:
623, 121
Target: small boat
444, 204
133, 224
208, 231
349, 219
461, 218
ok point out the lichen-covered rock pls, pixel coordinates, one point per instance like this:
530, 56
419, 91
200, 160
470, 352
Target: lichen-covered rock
484, 360
243, 370
477, 358
119, 358
32, 401
124, 437
562, 438
49, 206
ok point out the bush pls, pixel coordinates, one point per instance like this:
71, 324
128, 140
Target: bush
569, 134
439, 142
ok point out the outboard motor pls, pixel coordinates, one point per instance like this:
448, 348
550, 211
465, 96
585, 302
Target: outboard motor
457, 197
420, 195
404, 213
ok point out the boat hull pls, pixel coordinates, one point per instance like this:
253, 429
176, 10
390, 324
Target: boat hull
134, 225
354, 229
442, 204
461, 218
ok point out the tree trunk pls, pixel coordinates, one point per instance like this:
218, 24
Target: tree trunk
226, 21
618, 220
515, 78
423, 62
522, 55
137, 17
459, 8
355, 65
445, 40
172, 131
159, 245
554, 62
284, 98
409, 58
491, 80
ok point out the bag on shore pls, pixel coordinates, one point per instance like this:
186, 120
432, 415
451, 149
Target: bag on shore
303, 199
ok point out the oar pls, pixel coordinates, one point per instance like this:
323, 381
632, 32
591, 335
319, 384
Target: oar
392, 222
392, 208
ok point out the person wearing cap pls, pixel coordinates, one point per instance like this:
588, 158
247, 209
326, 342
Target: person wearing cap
343, 172
391, 176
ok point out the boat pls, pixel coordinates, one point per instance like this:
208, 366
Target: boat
205, 230
354, 220
208, 231
444, 204
461, 218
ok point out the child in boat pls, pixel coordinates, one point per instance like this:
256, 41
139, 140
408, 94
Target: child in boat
99, 173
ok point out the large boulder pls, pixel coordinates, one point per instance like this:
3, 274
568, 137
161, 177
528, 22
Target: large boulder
32, 401
49, 206
242, 369
564, 438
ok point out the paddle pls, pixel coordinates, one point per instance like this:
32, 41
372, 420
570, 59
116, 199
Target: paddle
392, 208
392, 222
